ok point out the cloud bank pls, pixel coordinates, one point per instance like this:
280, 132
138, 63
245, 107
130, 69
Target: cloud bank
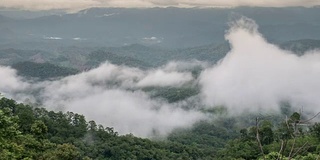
256, 75
82, 4
10, 82
112, 96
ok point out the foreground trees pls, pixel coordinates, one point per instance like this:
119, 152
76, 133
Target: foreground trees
291, 139
35, 133
27, 132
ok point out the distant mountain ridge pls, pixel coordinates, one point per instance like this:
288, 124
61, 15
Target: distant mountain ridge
135, 55
164, 27
301, 46
42, 71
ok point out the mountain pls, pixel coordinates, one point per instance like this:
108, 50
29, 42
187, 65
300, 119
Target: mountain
11, 56
97, 57
163, 27
210, 53
6, 34
29, 132
42, 71
301, 46
4, 19
135, 55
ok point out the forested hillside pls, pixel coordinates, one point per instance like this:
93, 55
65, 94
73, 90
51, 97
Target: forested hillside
42, 71
34, 133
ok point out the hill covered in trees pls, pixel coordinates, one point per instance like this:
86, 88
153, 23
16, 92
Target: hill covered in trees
35, 133
29, 132
42, 71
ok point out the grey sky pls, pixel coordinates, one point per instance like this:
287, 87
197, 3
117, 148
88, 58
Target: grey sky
73, 5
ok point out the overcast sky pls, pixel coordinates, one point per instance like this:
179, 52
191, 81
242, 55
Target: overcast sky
82, 4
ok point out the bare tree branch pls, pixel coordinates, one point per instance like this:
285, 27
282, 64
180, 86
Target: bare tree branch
258, 137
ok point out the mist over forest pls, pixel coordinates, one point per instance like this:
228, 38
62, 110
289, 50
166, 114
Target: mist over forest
212, 83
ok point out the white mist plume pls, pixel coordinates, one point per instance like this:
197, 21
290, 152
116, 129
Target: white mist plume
9, 81
184, 66
105, 95
161, 78
133, 112
111, 96
173, 74
256, 75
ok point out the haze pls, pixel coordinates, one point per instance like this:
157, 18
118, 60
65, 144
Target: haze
72, 5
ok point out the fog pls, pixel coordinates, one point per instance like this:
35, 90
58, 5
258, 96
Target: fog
10, 82
109, 95
255, 76
73, 5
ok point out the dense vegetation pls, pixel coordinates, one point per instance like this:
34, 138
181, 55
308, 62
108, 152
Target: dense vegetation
172, 94
100, 56
42, 71
34, 133
290, 139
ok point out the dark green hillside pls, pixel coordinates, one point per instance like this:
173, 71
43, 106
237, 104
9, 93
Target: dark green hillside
210, 53
28, 132
42, 71
97, 57
11, 56
35, 133
147, 54
172, 94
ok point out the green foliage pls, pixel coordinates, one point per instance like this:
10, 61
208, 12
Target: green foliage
100, 56
172, 94
35, 133
285, 140
315, 130
204, 135
63, 151
295, 117
42, 71
39, 128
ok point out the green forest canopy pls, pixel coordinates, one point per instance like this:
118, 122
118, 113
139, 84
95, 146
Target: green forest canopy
28, 132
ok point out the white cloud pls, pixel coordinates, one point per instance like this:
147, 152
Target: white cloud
107, 14
152, 40
48, 4
105, 95
256, 75
133, 112
52, 38
81, 4
162, 78
79, 39
184, 65
10, 82
111, 96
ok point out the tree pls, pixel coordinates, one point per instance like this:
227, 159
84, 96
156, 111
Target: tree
63, 151
9, 148
39, 129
